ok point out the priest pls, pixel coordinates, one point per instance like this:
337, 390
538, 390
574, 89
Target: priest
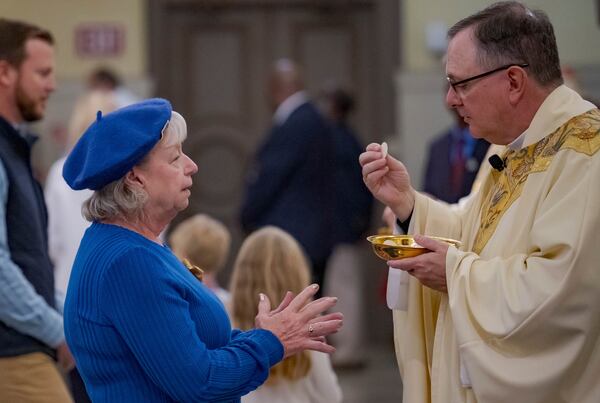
513, 314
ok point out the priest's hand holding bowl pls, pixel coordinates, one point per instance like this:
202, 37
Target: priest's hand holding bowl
430, 267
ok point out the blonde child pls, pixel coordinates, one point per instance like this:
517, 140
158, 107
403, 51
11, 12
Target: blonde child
271, 262
205, 243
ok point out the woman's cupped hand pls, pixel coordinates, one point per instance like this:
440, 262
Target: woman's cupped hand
299, 322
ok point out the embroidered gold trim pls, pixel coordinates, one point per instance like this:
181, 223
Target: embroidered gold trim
581, 134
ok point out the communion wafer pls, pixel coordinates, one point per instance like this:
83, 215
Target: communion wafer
384, 149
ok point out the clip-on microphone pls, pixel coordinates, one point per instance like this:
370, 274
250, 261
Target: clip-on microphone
497, 163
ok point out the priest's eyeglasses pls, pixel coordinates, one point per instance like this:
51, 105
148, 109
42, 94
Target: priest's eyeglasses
460, 85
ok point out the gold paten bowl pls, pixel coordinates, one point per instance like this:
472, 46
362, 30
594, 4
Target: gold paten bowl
393, 247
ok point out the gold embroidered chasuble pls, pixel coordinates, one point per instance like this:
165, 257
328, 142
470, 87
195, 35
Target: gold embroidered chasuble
521, 319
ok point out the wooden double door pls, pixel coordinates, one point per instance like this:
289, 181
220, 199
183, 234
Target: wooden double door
212, 58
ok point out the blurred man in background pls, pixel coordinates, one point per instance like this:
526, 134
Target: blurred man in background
31, 326
453, 161
290, 185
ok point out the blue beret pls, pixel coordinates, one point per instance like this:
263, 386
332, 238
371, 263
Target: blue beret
115, 143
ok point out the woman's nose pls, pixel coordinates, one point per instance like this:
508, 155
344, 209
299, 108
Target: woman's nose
192, 168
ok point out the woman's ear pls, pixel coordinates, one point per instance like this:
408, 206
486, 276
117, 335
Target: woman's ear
135, 178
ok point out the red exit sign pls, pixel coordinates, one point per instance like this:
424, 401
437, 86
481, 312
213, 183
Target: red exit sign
99, 40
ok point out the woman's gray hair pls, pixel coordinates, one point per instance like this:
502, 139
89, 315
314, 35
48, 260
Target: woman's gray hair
118, 198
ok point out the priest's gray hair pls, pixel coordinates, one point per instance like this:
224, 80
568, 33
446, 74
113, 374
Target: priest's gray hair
508, 32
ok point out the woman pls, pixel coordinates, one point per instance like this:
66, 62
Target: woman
271, 261
140, 325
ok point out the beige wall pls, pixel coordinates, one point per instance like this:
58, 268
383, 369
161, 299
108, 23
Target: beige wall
61, 17
421, 112
575, 24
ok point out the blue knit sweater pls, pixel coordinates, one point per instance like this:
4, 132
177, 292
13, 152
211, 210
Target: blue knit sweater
143, 329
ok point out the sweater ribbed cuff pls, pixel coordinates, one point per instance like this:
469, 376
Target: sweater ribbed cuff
271, 344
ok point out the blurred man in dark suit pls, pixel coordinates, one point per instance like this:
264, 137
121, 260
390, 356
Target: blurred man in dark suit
291, 183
